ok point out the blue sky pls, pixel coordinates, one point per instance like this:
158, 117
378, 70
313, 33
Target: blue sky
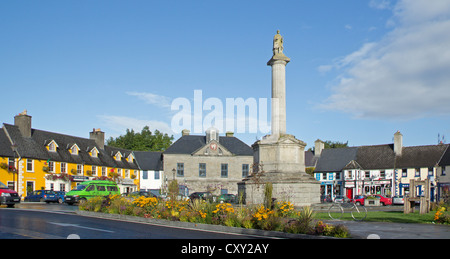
359, 71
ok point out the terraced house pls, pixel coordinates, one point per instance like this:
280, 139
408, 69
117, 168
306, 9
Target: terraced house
32, 159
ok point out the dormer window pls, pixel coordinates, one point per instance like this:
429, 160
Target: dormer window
130, 158
118, 156
74, 149
94, 152
51, 146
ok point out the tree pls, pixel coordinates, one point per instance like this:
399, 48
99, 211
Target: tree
332, 144
143, 141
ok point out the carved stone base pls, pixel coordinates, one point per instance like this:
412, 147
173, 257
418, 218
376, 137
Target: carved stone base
282, 163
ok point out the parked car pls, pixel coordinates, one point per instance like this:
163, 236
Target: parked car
383, 200
359, 199
42, 196
201, 195
8, 196
227, 198
60, 195
341, 199
398, 200
146, 194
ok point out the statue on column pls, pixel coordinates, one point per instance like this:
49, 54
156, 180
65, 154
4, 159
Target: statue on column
277, 43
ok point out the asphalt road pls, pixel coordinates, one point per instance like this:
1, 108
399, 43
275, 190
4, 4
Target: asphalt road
37, 224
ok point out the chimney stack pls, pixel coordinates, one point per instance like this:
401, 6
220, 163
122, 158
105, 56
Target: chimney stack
99, 137
23, 121
319, 145
229, 134
398, 143
185, 132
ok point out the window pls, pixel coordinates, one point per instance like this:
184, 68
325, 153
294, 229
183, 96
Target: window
94, 152
157, 175
63, 168
349, 174
382, 174
404, 172
52, 147
30, 165
103, 171
324, 176
180, 169
101, 188
94, 170
367, 174
79, 169
74, 150
62, 187
127, 173
52, 186
224, 170
11, 163
202, 170
245, 169
111, 188
51, 166
443, 171
144, 175
430, 171
417, 174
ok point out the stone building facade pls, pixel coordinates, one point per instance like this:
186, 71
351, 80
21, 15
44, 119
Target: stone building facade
208, 163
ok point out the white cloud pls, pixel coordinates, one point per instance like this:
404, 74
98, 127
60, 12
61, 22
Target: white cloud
158, 100
380, 4
405, 75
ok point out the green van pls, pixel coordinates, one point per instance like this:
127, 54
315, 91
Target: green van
89, 189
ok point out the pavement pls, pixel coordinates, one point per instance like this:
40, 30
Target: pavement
358, 229
387, 230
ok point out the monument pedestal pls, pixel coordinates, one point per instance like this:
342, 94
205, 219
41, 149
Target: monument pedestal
280, 160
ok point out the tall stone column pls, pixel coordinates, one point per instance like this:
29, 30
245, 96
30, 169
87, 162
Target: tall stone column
280, 157
278, 63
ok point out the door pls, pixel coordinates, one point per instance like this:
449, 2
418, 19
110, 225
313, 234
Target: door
349, 193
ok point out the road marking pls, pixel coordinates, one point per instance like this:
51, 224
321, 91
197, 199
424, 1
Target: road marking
78, 226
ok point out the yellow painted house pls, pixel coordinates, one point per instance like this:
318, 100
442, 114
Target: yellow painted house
32, 159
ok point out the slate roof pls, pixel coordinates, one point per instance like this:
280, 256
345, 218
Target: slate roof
148, 160
376, 157
5, 145
445, 160
190, 143
310, 159
34, 147
421, 156
334, 159
382, 157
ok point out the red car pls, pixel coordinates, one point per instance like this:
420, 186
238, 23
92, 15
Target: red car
383, 200
359, 200
8, 196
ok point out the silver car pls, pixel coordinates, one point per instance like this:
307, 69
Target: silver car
398, 200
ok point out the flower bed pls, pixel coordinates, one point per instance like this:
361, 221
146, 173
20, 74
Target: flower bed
282, 217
